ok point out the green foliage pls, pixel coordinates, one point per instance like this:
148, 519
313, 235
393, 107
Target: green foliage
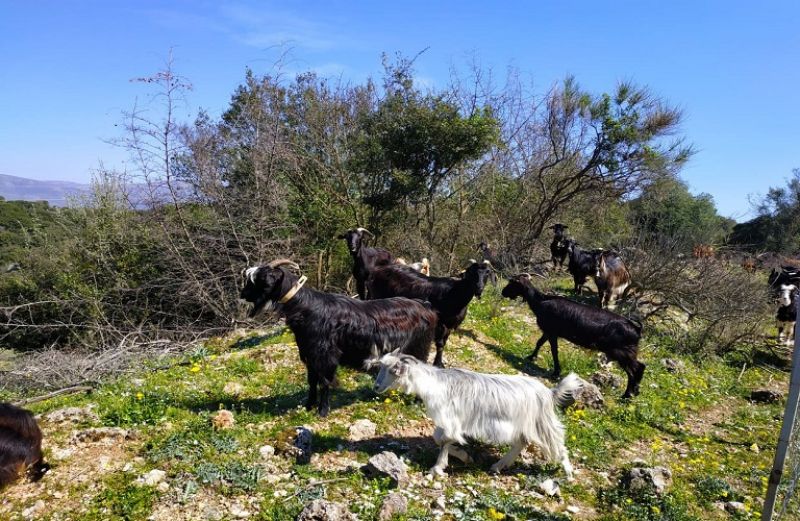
777, 226
666, 208
121, 500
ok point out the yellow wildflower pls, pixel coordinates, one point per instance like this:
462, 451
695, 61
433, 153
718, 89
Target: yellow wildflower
195, 369
387, 400
494, 514
139, 395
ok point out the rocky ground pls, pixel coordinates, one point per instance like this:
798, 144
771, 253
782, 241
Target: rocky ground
222, 435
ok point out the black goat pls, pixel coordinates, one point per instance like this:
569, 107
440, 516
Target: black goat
786, 276
337, 329
448, 296
20, 445
558, 247
583, 325
365, 259
582, 264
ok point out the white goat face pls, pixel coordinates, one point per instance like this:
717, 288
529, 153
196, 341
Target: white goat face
787, 294
393, 368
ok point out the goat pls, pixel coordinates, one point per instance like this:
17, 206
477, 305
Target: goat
448, 296
20, 445
558, 247
335, 329
365, 259
582, 264
787, 313
488, 254
586, 326
612, 278
495, 408
703, 251
786, 276
423, 266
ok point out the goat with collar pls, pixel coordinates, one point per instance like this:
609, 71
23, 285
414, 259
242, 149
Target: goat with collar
335, 329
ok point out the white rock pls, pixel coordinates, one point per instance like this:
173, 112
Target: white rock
152, 478
362, 429
34, 510
572, 509
239, 512
61, 454
233, 389
267, 451
549, 488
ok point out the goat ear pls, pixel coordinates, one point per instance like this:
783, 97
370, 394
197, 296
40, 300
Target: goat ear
399, 369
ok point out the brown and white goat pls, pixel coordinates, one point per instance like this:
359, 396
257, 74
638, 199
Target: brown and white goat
612, 278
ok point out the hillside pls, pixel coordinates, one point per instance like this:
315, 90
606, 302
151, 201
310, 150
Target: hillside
13, 188
693, 419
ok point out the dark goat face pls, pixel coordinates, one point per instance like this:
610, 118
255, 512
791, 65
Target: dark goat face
354, 238
478, 273
262, 285
513, 289
558, 230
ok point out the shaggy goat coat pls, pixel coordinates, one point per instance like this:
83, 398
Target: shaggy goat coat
494, 408
20, 445
335, 329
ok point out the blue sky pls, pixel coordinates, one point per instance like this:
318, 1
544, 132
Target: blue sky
732, 66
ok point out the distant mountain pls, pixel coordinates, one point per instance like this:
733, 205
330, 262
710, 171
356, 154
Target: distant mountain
14, 188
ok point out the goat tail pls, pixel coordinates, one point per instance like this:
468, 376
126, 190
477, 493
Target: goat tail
563, 392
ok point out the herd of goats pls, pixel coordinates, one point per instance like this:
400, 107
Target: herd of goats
400, 311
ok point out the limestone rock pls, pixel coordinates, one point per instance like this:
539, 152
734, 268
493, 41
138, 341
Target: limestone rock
362, 429
655, 479
394, 504
605, 379
73, 415
387, 464
223, 419
152, 478
322, 510
108, 435
233, 389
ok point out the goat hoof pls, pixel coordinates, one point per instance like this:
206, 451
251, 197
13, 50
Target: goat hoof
436, 471
496, 469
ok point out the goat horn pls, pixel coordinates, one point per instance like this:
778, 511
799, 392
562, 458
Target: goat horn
283, 262
486, 262
525, 275
364, 230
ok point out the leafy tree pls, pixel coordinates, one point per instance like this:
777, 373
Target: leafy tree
777, 226
667, 208
412, 145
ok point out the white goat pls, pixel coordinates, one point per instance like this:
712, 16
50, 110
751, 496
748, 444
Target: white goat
494, 408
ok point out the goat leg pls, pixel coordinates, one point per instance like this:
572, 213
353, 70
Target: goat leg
539, 344
509, 458
313, 379
460, 454
554, 351
441, 461
442, 334
324, 401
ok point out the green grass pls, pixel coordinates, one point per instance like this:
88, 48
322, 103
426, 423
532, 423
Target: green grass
697, 422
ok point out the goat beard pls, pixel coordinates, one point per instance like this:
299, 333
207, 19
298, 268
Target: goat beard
262, 305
